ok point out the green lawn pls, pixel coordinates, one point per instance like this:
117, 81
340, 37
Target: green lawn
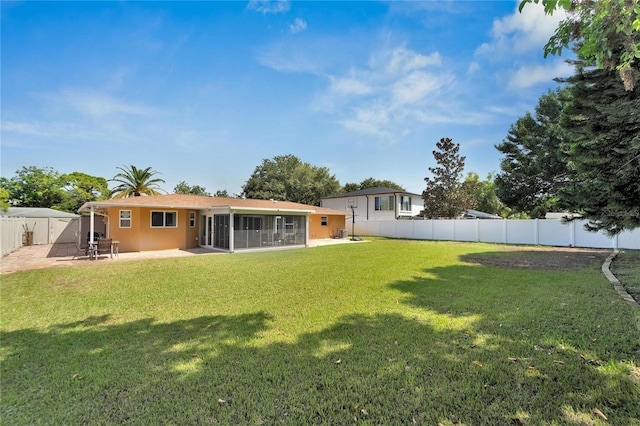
383, 332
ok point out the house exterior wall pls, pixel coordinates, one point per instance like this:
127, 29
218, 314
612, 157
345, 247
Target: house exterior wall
141, 236
366, 207
331, 230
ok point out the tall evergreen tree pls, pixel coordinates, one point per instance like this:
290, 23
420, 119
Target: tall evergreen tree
447, 195
534, 166
604, 121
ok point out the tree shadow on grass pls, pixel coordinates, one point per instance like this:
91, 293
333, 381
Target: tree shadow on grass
388, 368
553, 347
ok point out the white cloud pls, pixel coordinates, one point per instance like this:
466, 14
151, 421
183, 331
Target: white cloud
402, 59
528, 76
521, 32
473, 67
349, 86
98, 105
269, 6
298, 25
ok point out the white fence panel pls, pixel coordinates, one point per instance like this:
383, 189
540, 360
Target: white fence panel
584, 238
629, 240
444, 230
423, 229
465, 230
533, 232
405, 228
492, 231
388, 228
11, 233
554, 233
521, 232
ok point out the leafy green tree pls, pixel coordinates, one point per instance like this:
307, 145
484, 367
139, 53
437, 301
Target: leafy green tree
134, 182
534, 165
184, 188
35, 187
486, 196
447, 195
80, 188
603, 119
4, 199
371, 183
604, 32
285, 177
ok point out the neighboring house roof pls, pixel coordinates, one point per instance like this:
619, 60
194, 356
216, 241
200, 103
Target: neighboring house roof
36, 212
185, 201
371, 191
480, 215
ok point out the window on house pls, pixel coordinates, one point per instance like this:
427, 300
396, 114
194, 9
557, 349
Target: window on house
162, 219
323, 220
405, 203
384, 203
192, 219
125, 218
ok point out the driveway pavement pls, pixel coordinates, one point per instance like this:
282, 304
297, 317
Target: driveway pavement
61, 255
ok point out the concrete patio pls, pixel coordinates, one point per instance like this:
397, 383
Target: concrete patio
62, 255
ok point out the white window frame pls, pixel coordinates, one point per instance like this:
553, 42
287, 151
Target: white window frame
192, 219
124, 219
164, 218
378, 204
402, 200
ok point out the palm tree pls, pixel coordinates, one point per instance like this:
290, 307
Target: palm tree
135, 182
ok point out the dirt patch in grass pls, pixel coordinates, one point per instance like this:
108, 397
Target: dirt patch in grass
541, 258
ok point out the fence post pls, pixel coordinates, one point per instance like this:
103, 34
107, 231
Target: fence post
504, 231
572, 233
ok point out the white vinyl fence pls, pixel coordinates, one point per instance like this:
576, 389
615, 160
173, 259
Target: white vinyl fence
46, 230
545, 232
11, 233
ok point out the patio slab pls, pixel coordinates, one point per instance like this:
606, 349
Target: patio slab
61, 255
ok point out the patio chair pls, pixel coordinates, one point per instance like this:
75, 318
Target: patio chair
104, 246
81, 250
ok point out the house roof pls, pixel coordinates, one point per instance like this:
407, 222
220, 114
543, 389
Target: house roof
36, 212
185, 201
371, 191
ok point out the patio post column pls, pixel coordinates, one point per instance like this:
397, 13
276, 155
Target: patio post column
306, 230
91, 225
231, 232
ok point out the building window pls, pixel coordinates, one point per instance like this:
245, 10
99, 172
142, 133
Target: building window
352, 202
384, 203
192, 219
161, 219
323, 220
125, 218
405, 203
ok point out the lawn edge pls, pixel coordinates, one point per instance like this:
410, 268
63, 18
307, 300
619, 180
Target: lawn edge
618, 286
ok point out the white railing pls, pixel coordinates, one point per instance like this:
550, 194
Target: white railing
545, 232
11, 233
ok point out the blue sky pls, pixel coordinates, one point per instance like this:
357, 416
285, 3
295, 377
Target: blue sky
204, 91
